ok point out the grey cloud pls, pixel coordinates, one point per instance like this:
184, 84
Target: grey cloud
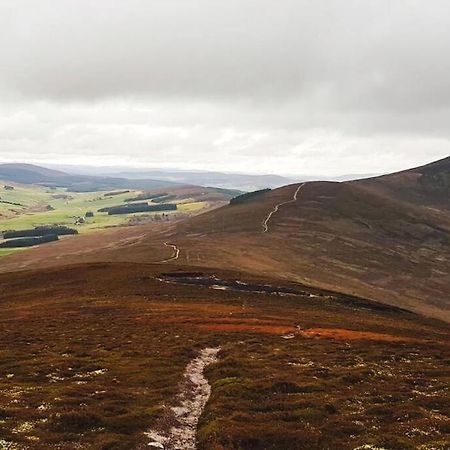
365, 54
311, 82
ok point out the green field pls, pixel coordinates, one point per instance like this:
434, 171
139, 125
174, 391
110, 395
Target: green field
45, 206
8, 251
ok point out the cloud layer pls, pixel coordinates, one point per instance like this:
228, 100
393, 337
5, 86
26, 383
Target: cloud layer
290, 87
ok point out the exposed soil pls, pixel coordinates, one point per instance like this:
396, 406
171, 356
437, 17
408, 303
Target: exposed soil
178, 427
265, 224
175, 255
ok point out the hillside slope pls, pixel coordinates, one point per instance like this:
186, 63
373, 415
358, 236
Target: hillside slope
380, 239
386, 238
94, 356
336, 235
428, 185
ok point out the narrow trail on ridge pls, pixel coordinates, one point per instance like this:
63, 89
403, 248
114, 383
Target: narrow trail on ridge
265, 224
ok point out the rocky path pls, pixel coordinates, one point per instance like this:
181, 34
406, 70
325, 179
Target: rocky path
265, 224
178, 429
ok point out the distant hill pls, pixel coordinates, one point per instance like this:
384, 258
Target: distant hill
240, 181
428, 185
237, 181
385, 238
243, 182
31, 174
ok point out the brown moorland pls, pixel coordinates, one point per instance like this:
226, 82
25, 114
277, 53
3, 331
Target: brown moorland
97, 331
92, 354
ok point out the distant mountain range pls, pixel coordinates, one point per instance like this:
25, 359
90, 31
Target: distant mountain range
226, 180
243, 182
31, 174
239, 181
86, 178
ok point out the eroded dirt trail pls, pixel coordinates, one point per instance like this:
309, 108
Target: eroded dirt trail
178, 429
176, 252
265, 224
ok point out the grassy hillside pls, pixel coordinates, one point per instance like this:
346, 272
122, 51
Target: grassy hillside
41, 206
28, 206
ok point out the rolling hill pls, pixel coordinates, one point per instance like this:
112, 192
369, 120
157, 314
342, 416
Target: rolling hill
250, 326
385, 239
428, 185
243, 182
31, 174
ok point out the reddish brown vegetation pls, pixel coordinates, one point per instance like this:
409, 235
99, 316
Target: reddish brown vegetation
246, 328
350, 335
91, 353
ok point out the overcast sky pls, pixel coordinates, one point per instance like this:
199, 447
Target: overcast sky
276, 86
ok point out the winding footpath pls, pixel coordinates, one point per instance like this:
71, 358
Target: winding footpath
265, 224
180, 420
176, 253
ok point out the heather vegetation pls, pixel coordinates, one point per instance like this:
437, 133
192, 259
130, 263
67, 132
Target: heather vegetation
96, 355
94, 360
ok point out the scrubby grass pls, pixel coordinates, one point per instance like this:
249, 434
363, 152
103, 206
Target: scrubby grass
89, 356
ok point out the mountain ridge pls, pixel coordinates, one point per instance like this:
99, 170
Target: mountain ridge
349, 237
